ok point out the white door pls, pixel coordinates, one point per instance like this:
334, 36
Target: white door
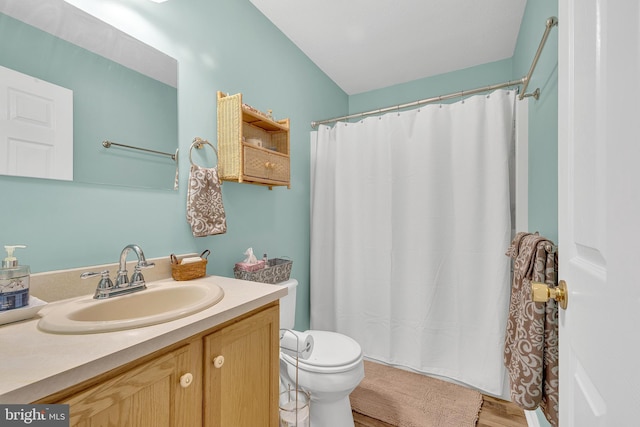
599, 212
36, 127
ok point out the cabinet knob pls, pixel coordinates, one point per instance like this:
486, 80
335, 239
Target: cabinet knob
186, 380
267, 165
218, 361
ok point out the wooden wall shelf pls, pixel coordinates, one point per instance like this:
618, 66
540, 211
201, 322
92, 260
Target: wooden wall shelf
240, 128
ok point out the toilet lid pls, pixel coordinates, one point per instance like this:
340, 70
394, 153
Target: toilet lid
330, 350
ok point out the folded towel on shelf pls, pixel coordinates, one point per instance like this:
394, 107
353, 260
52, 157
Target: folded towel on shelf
531, 342
205, 211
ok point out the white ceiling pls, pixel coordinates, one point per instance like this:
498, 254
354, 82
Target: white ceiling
364, 45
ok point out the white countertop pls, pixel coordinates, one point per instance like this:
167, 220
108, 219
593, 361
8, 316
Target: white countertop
35, 364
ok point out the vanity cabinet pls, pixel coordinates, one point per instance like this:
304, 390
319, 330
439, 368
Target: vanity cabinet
252, 148
225, 376
241, 373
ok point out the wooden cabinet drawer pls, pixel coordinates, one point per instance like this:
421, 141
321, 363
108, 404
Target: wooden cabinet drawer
260, 163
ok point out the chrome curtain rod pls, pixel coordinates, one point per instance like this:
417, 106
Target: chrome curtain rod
551, 22
425, 101
524, 81
108, 144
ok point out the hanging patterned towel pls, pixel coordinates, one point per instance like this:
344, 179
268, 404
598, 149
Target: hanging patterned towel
531, 342
205, 211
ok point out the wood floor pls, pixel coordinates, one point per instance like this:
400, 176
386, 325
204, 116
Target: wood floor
500, 413
494, 413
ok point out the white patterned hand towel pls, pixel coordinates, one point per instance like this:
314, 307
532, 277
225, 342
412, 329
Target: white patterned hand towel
205, 211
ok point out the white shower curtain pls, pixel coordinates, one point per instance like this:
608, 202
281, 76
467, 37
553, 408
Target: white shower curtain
410, 221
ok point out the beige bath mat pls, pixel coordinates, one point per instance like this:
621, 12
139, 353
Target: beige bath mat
407, 399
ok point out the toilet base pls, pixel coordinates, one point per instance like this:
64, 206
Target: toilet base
324, 413
331, 414
328, 383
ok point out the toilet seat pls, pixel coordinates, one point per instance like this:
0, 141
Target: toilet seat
332, 353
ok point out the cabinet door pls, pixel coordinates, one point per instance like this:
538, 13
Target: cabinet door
148, 395
263, 165
256, 163
241, 373
279, 168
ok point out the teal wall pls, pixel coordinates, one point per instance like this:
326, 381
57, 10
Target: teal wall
225, 45
468, 78
543, 115
543, 122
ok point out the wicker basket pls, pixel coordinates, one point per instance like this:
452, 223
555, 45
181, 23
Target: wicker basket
189, 271
278, 271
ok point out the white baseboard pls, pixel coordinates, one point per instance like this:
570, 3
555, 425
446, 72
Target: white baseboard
532, 418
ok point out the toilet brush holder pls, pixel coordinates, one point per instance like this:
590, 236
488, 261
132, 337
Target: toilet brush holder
294, 408
294, 403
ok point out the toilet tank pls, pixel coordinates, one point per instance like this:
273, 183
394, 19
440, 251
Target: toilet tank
288, 305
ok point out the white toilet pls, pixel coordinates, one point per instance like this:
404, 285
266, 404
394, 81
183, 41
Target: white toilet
329, 374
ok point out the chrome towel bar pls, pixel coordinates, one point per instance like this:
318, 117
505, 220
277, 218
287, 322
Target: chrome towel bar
108, 144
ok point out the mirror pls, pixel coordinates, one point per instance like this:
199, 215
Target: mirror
124, 91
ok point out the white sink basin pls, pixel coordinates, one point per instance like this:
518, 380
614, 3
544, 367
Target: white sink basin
161, 302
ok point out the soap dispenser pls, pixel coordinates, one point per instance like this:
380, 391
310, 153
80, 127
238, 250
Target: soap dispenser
14, 281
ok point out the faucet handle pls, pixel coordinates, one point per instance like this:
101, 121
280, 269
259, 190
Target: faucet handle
137, 277
105, 282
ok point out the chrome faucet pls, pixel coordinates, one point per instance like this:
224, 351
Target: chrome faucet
122, 280
106, 288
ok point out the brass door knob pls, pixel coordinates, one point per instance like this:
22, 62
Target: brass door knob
541, 292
